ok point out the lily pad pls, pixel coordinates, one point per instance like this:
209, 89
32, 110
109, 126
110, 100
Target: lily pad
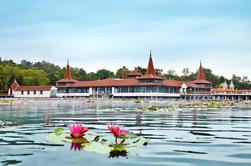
152, 108
59, 131
93, 142
128, 135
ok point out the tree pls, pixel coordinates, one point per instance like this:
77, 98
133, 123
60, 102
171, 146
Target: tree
211, 77
103, 74
91, 76
140, 69
185, 71
25, 64
159, 72
119, 72
78, 74
171, 74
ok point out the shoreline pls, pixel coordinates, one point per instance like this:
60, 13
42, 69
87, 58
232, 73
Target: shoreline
144, 103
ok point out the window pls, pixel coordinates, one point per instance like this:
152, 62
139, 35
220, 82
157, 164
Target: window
41, 92
28, 92
34, 92
22, 92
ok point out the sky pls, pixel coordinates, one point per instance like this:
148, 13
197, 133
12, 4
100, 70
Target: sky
97, 34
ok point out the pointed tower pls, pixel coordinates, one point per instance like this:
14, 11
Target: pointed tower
200, 75
225, 85
150, 75
67, 77
200, 84
150, 67
231, 86
67, 74
124, 76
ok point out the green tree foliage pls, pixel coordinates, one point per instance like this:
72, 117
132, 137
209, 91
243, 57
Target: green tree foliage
241, 82
103, 74
31, 76
53, 72
91, 76
140, 69
119, 72
171, 75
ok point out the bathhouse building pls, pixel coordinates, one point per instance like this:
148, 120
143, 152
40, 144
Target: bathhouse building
134, 85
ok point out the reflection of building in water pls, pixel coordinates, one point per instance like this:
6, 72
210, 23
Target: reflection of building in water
180, 120
47, 119
194, 117
139, 121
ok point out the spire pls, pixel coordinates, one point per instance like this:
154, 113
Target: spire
67, 74
200, 75
225, 85
231, 86
150, 67
124, 76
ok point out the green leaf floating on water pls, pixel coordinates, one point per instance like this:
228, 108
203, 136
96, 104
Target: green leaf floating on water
57, 139
128, 135
152, 108
59, 131
92, 142
97, 147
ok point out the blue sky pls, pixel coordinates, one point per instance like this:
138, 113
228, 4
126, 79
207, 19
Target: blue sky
97, 34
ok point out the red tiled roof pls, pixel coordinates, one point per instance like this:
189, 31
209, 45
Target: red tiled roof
200, 75
67, 75
14, 85
151, 76
193, 85
150, 67
201, 81
34, 88
70, 81
134, 73
173, 83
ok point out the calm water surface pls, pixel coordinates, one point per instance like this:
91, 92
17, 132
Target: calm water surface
189, 137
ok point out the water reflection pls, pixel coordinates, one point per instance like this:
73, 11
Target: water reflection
76, 147
188, 137
47, 119
138, 121
194, 117
118, 153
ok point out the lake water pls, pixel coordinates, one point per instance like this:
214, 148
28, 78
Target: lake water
189, 137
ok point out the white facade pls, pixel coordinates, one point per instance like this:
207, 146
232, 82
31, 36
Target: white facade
183, 89
33, 93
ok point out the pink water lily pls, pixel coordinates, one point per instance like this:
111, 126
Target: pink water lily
78, 130
116, 130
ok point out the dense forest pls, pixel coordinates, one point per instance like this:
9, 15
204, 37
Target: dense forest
46, 73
